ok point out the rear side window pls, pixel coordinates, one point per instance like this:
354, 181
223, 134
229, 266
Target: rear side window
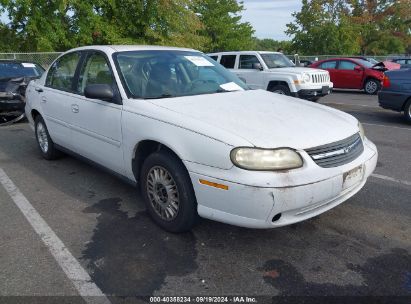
228, 61
328, 65
214, 58
246, 61
347, 65
61, 74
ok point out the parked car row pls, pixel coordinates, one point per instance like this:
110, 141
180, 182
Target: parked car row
196, 139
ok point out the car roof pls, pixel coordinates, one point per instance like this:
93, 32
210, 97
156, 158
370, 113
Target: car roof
17, 61
126, 48
242, 52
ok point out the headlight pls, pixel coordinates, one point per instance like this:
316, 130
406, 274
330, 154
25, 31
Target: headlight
306, 77
266, 159
362, 132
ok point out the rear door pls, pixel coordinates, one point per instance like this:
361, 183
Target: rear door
97, 123
350, 75
56, 98
331, 67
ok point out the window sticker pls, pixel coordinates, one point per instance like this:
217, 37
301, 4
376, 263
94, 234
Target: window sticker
231, 86
29, 65
199, 61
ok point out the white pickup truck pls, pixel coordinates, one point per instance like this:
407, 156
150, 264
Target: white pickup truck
274, 72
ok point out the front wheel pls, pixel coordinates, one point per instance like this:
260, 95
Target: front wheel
44, 142
168, 192
372, 86
407, 111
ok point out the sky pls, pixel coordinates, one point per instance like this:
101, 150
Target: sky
269, 17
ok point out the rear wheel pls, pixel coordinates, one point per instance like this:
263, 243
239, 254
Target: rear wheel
280, 89
407, 111
372, 86
168, 192
44, 142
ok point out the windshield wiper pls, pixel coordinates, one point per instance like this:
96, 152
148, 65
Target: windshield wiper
161, 96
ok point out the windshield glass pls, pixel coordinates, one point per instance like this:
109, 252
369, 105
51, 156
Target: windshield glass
17, 69
162, 74
372, 60
364, 63
273, 60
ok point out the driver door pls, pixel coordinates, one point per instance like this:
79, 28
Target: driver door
254, 78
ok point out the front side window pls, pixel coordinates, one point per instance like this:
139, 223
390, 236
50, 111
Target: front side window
328, 65
61, 74
162, 74
347, 65
96, 70
228, 61
247, 61
274, 60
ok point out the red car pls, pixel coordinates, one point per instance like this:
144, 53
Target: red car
353, 73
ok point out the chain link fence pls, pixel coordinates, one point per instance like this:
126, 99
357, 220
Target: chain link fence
44, 59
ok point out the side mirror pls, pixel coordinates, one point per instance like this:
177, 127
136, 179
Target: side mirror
99, 91
358, 68
257, 66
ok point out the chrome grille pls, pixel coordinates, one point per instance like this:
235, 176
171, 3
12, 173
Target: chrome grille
338, 153
320, 78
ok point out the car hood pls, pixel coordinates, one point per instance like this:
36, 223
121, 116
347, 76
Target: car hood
264, 119
298, 70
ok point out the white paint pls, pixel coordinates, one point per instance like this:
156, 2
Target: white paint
391, 179
71, 267
385, 126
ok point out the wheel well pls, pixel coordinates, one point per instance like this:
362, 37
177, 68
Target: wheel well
368, 78
143, 150
274, 83
405, 103
34, 114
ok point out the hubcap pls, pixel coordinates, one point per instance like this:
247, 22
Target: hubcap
163, 193
42, 137
371, 87
409, 111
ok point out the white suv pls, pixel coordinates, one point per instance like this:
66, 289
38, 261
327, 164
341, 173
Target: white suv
274, 72
189, 132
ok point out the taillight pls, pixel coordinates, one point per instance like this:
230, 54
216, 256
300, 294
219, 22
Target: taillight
386, 83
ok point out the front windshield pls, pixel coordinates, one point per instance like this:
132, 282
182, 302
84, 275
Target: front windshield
17, 69
364, 63
273, 60
372, 60
162, 74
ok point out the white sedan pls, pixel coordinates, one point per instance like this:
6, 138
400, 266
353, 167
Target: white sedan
195, 139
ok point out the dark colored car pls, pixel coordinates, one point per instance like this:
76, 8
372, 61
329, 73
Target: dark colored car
396, 92
404, 62
352, 73
14, 77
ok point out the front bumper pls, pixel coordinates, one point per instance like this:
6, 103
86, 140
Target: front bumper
255, 206
313, 93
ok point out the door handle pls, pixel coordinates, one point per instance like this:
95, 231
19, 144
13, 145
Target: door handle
43, 99
38, 90
75, 108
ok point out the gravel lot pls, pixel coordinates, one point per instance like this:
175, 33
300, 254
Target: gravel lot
362, 247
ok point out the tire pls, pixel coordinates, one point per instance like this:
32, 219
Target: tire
407, 111
372, 86
44, 141
161, 173
280, 89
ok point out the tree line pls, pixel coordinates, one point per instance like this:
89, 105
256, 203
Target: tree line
374, 27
